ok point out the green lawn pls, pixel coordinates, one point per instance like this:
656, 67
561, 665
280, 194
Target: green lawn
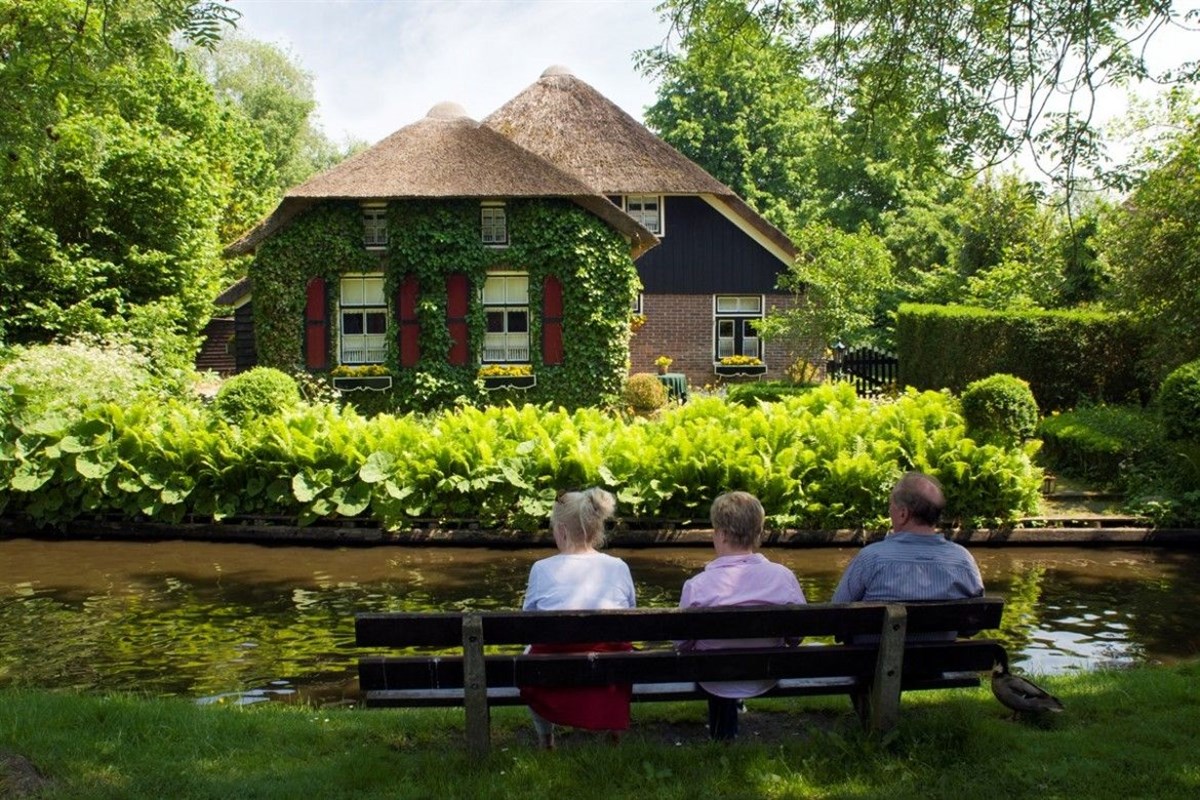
1124, 735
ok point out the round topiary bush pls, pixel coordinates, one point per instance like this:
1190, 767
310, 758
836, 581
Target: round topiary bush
644, 393
999, 407
262, 390
1179, 402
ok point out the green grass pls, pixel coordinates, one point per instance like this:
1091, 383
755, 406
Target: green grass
1124, 735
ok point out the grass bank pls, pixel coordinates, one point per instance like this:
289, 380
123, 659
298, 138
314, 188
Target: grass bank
1124, 735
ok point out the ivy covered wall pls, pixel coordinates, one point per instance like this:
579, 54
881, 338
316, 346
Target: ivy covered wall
432, 239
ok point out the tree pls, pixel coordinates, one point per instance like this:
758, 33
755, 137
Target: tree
1004, 250
1152, 246
982, 79
276, 95
842, 278
121, 170
736, 100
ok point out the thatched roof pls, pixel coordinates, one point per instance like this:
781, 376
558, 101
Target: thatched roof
567, 122
445, 155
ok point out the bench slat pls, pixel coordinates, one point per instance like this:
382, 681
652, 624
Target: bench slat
654, 692
667, 666
652, 625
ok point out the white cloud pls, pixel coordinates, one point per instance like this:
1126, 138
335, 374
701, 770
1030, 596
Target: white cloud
379, 65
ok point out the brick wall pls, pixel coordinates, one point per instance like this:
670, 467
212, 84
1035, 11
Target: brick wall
681, 326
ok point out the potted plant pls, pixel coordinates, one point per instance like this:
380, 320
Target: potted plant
663, 363
740, 365
507, 376
361, 377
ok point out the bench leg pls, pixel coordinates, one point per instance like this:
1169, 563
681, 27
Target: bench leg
883, 706
479, 735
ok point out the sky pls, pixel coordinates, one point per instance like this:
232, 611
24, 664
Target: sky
378, 65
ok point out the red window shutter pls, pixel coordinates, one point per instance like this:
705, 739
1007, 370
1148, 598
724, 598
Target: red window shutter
409, 329
552, 321
456, 318
316, 326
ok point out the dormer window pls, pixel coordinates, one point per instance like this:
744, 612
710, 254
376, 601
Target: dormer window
646, 209
375, 226
493, 225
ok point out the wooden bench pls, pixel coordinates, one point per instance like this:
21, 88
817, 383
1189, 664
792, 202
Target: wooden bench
873, 674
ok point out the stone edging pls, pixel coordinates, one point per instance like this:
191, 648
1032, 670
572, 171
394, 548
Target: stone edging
357, 533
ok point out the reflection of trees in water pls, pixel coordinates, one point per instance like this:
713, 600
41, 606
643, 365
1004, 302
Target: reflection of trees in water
1021, 608
174, 633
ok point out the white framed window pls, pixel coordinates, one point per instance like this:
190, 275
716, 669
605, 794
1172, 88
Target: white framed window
375, 226
736, 319
493, 224
364, 316
646, 209
636, 306
506, 308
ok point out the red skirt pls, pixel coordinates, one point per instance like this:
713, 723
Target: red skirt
593, 708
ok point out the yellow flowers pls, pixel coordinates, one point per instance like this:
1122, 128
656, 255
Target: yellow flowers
663, 361
505, 371
740, 361
359, 370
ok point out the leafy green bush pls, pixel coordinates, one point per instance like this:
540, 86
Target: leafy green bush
1179, 401
822, 460
1000, 407
261, 391
644, 393
749, 394
60, 380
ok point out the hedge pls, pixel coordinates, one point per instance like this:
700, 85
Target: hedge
1067, 356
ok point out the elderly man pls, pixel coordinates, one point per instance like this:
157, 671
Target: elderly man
914, 562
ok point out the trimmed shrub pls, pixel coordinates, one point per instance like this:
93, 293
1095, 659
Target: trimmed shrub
748, 394
262, 390
1099, 442
1000, 407
1179, 402
1068, 357
644, 393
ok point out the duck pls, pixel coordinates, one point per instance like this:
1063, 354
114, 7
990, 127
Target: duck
1021, 695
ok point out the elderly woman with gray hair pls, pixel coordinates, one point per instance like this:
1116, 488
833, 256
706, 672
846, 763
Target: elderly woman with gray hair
738, 576
579, 577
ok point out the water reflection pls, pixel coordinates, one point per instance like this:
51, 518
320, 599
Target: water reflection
245, 623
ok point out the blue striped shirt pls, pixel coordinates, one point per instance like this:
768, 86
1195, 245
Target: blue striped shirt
910, 566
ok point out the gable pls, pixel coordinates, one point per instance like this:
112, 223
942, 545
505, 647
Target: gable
705, 252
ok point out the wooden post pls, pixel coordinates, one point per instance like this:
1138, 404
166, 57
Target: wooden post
479, 736
889, 665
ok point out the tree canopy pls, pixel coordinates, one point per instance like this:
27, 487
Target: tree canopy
121, 175
980, 79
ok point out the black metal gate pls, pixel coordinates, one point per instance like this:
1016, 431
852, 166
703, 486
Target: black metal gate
872, 372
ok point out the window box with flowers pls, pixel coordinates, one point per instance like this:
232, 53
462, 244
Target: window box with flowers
739, 365
507, 376
364, 377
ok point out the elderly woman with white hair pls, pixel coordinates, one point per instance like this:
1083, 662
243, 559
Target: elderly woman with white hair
579, 577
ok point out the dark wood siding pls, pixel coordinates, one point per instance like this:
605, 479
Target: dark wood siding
702, 252
245, 351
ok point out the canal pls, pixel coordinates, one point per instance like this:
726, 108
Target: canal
246, 623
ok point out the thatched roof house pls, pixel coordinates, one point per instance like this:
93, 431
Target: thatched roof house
445, 155
569, 123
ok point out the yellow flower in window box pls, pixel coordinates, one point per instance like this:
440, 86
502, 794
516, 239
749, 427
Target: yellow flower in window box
741, 361
506, 371
359, 370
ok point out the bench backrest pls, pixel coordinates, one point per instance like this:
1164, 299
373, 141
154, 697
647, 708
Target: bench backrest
841, 620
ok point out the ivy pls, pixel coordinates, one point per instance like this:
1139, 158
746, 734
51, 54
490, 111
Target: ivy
435, 238
324, 242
